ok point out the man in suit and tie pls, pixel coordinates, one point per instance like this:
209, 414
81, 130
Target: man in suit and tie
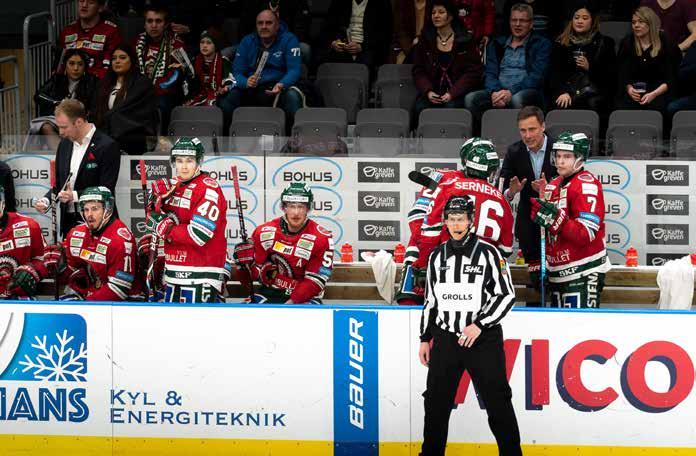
92, 157
526, 168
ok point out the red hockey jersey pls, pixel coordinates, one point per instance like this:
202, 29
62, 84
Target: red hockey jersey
111, 256
304, 259
493, 217
98, 42
164, 63
195, 249
21, 242
579, 247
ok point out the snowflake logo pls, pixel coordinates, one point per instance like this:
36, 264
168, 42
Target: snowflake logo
57, 362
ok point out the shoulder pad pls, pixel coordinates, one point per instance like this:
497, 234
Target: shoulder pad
124, 233
210, 182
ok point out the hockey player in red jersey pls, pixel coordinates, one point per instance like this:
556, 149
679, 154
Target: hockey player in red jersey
97, 258
95, 36
21, 254
292, 256
572, 212
190, 214
494, 220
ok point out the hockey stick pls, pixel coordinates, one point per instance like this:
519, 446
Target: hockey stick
423, 180
242, 225
542, 258
54, 214
154, 240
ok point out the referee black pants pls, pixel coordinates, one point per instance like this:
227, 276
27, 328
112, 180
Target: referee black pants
485, 361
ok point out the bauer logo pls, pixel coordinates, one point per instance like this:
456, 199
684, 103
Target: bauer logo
155, 169
310, 170
667, 204
378, 202
658, 259
428, 168
46, 348
137, 198
668, 234
379, 172
379, 230
667, 175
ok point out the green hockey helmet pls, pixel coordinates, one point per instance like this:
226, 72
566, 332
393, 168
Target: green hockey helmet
297, 192
578, 143
102, 195
188, 147
479, 158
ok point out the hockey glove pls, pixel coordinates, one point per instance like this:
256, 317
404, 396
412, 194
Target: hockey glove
24, 281
267, 273
83, 280
161, 224
54, 258
7, 267
145, 246
546, 214
244, 253
534, 268
160, 191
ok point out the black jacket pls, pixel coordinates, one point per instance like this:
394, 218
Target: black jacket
564, 74
517, 163
687, 73
7, 181
652, 70
56, 89
133, 118
99, 166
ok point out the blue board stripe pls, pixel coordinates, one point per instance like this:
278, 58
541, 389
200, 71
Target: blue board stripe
356, 408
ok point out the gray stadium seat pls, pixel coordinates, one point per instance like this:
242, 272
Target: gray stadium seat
634, 134
211, 114
683, 135
442, 131
249, 123
575, 121
344, 85
616, 30
394, 72
382, 131
317, 131
399, 93
204, 130
500, 126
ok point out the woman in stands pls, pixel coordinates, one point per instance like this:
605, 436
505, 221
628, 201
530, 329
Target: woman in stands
582, 59
447, 63
126, 108
647, 64
75, 82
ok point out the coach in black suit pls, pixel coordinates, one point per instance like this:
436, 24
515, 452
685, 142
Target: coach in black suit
93, 157
526, 168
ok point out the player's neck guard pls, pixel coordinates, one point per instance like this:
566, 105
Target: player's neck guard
285, 227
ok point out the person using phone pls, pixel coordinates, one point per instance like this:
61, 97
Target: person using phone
447, 63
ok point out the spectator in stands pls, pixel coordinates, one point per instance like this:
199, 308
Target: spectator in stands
526, 167
295, 14
547, 14
91, 156
447, 64
7, 182
647, 64
75, 82
582, 59
478, 17
266, 68
214, 78
678, 19
94, 35
358, 31
126, 108
516, 66
409, 18
161, 57
686, 84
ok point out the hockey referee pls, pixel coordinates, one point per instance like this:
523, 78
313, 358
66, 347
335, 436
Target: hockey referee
468, 291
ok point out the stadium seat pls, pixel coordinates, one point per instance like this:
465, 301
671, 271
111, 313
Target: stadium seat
683, 135
382, 132
250, 123
394, 72
442, 131
204, 130
575, 121
211, 114
344, 85
130, 27
396, 93
634, 134
500, 126
317, 131
616, 30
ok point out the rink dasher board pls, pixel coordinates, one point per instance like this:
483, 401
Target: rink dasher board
290, 380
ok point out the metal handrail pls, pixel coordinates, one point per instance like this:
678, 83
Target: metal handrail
12, 133
28, 62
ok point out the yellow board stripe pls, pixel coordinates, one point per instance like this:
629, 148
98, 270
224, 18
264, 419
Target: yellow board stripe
51, 445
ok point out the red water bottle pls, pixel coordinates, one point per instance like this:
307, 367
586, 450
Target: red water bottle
399, 253
346, 253
631, 257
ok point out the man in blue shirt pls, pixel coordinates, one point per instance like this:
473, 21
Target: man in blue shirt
515, 66
266, 67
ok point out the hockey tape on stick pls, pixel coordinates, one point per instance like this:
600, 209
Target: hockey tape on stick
423, 180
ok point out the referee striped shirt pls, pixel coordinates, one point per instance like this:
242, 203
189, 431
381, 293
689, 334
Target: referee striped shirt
466, 284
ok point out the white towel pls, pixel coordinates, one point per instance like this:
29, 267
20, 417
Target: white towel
384, 269
676, 281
